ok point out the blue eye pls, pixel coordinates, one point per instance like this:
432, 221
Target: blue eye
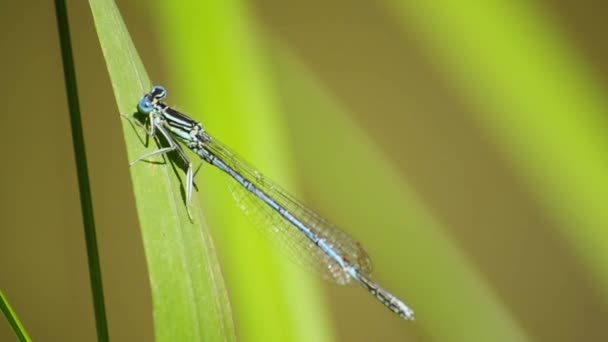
145, 106
158, 92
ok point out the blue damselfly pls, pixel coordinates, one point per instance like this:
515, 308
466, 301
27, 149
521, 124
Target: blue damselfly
310, 237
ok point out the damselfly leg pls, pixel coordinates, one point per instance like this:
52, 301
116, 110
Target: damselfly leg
155, 123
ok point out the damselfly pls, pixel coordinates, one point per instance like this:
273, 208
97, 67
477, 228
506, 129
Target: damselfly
310, 237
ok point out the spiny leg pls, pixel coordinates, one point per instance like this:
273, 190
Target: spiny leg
172, 144
141, 125
154, 153
182, 154
198, 168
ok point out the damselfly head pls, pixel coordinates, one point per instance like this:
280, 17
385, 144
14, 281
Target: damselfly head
149, 101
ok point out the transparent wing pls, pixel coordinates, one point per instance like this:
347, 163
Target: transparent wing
282, 233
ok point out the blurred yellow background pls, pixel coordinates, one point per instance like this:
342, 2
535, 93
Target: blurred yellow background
464, 145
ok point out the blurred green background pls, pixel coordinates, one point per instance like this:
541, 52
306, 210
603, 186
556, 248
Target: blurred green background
462, 143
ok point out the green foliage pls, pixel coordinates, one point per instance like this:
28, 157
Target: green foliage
529, 92
13, 319
422, 266
220, 74
84, 184
189, 298
537, 99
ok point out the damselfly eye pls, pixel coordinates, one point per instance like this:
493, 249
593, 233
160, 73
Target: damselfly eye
145, 106
158, 92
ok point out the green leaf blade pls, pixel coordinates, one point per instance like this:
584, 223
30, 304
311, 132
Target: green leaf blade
190, 301
13, 319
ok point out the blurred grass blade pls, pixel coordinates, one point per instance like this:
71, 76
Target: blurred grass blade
84, 185
431, 273
190, 301
13, 320
539, 99
219, 69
